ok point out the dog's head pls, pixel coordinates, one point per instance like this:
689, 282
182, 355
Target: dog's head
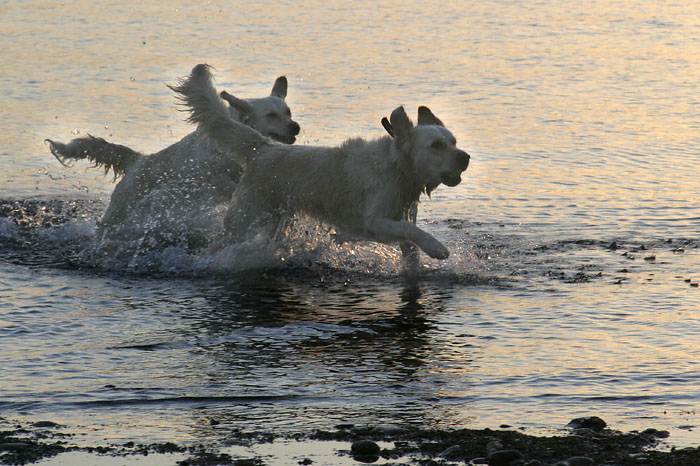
269, 115
430, 147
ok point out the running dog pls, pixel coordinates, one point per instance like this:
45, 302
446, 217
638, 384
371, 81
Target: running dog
365, 189
186, 175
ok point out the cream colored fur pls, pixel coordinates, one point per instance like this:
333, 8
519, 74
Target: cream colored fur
365, 189
158, 192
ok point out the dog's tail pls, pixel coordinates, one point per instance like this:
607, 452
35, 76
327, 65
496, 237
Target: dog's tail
212, 116
96, 150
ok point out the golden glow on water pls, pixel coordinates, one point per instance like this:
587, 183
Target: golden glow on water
583, 122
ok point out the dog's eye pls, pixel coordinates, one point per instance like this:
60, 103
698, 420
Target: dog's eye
438, 144
272, 115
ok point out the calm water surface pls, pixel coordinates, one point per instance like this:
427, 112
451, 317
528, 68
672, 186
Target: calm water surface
574, 235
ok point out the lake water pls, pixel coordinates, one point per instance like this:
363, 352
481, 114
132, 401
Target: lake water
575, 234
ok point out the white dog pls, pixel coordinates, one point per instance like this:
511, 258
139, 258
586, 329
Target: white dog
366, 189
160, 193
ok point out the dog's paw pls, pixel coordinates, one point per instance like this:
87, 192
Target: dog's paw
437, 251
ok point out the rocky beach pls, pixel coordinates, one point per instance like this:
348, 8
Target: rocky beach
584, 442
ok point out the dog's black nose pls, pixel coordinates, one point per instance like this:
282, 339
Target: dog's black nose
463, 159
294, 128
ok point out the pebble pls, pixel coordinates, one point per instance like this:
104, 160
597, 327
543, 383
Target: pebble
583, 432
452, 453
364, 447
13, 446
493, 446
45, 424
588, 422
656, 433
388, 429
503, 457
580, 461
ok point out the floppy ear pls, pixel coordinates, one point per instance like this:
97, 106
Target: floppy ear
426, 117
239, 104
400, 123
280, 88
387, 127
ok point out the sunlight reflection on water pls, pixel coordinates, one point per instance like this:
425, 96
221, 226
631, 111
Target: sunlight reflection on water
583, 123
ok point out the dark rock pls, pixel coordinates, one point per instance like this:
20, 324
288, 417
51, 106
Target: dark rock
584, 432
656, 433
493, 446
388, 429
13, 446
580, 461
589, 422
364, 447
241, 462
45, 424
452, 453
503, 457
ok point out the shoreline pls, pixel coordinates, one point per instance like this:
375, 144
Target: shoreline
589, 442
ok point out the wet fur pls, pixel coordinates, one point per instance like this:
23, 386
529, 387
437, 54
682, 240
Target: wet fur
191, 170
365, 189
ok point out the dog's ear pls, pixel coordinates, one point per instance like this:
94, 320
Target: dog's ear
239, 104
400, 123
280, 88
387, 127
426, 117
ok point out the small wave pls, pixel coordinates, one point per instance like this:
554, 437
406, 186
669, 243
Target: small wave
38, 406
236, 399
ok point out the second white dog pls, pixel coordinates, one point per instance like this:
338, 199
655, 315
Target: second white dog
164, 198
363, 188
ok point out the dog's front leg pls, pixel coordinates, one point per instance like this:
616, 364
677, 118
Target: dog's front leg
409, 250
388, 231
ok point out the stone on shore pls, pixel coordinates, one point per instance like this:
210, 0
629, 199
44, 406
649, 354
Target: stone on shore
364, 447
588, 422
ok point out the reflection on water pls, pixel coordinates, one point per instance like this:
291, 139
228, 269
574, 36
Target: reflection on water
574, 236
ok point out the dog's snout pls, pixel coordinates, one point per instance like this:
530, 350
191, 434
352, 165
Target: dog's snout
463, 159
294, 128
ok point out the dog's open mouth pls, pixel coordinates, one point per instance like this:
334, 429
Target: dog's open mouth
289, 139
452, 178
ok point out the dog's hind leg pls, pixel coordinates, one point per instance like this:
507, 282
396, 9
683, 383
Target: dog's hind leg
103, 154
